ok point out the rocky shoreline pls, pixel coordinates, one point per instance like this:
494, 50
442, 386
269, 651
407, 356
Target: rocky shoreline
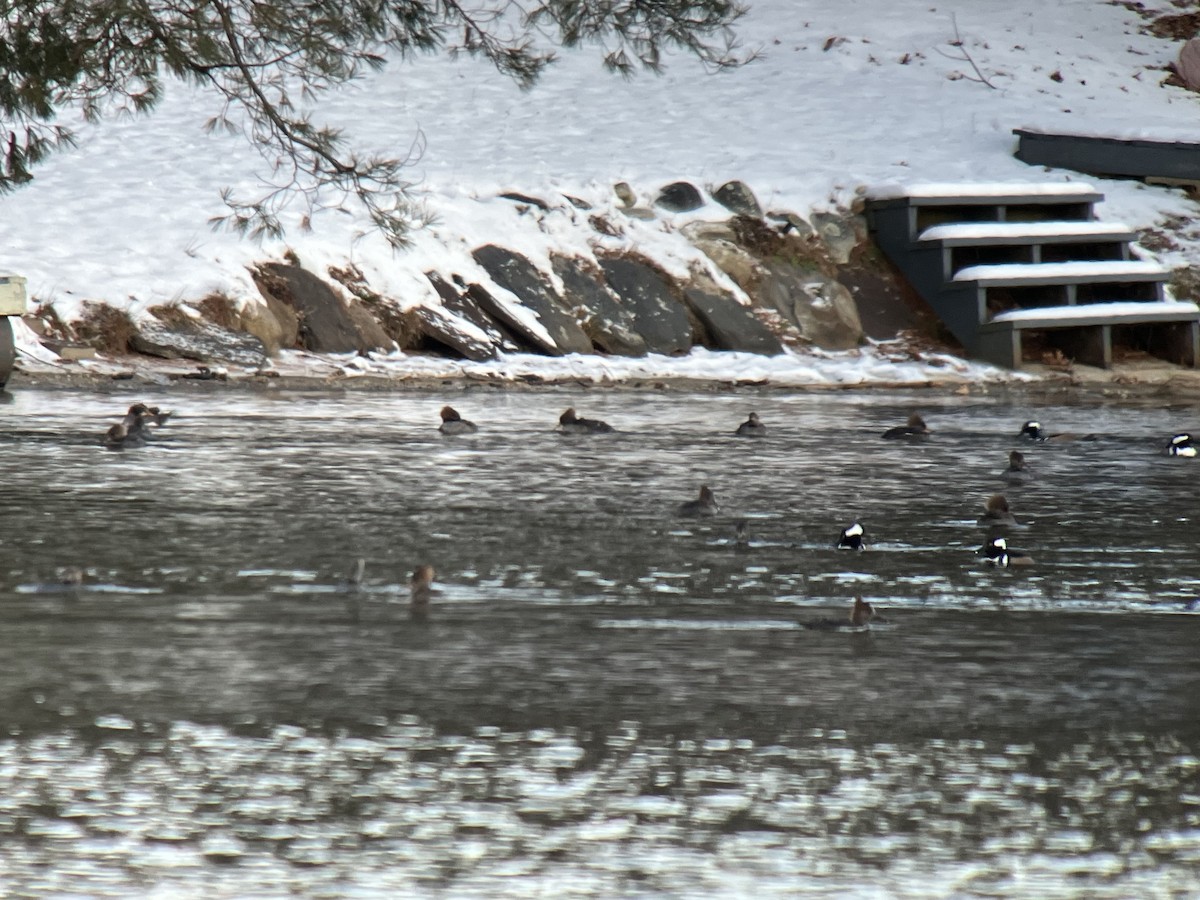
1137, 381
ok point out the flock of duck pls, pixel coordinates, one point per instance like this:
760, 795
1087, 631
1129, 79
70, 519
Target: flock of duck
135, 430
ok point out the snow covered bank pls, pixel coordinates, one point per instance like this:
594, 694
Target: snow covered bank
840, 102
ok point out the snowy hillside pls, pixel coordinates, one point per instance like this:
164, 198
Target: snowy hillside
843, 97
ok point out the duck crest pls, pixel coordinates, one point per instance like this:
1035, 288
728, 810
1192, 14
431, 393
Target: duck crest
851, 537
1181, 445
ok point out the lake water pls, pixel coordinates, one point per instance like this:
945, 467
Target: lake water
607, 700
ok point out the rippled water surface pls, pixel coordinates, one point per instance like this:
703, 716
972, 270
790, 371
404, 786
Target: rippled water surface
607, 700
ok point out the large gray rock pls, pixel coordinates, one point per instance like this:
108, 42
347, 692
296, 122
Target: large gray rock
452, 332
737, 197
327, 325
680, 196
520, 277
458, 302
731, 325
821, 309
275, 324
609, 325
719, 243
183, 337
839, 233
657, 316
1188, 67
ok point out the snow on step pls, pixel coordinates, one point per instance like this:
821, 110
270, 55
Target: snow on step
1131, 269
1126, 309
982, 231
991, 190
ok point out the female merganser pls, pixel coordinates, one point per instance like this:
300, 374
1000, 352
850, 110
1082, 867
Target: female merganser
1181, 445
420, 590
1018, 470
704, 505
569, 423
996, 553
354, 580
453, 423
916, 429
150, 415
851, 538
123, 437
752, 427
860, 617
71, 576
996, 512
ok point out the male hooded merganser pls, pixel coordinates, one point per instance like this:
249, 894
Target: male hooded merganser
752, 427
704, 505
569, 423
996, 553
996, 512
453, 423
1018, 470
860, 617
420, 590
1034, 432
851, 538
916, 429
1181, 445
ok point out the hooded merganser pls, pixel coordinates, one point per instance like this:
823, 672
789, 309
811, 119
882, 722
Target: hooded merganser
704, 505
71, 576
996, 553
1181, 445
752, 427
860, 617
569, 423
150, 415
453, 423
851, 538
420, 590
996, 512
741, 534
123, 437
355, 579
1034, 432
916, 429
1018, 470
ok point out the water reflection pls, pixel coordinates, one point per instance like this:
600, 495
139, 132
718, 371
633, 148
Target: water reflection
606, 700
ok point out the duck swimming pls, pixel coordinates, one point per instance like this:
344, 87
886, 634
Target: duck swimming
420, 590
1018, 470
860, 617
752, 427
1034, 432
996, 553
1181, 445
851, 538
453, 423
703, 505
569, 423
149, 415
124, 437
916, 429
996, 512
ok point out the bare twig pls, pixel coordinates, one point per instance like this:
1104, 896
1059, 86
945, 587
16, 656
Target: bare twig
964, 56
